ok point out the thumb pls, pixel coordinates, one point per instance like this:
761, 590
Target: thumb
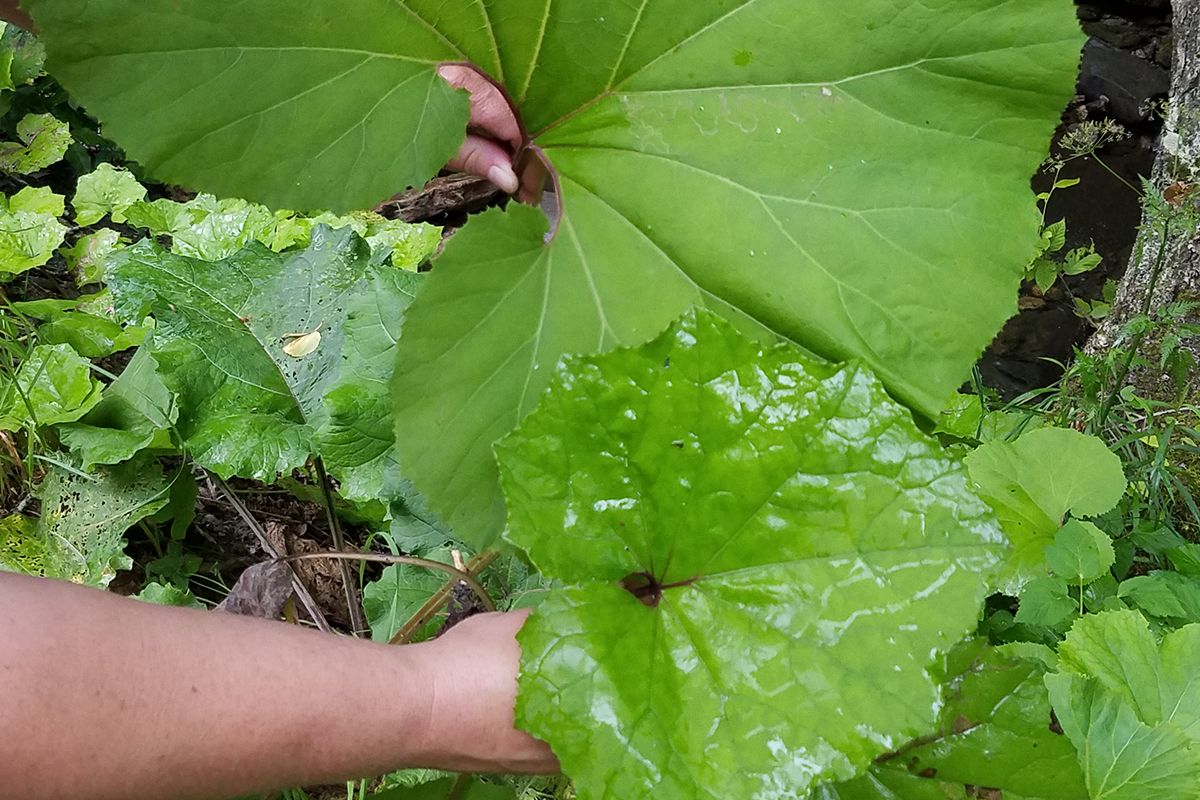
483, 157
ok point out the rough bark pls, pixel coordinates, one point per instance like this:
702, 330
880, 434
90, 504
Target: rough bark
1178, 257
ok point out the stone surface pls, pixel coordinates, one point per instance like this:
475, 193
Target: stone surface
1128, 81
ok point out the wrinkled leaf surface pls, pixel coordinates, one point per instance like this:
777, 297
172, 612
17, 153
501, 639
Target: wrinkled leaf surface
801, 553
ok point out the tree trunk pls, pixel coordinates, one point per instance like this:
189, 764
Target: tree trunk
1165, 265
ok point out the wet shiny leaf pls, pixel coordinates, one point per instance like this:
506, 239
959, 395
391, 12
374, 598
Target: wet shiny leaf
52, 385
763, 555
106, 191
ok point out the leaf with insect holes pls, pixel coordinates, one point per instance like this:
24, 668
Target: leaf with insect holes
809, 167
246, 406
84, 518
1034, 481
735, 527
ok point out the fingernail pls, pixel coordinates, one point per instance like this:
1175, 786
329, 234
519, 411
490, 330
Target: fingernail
505, 178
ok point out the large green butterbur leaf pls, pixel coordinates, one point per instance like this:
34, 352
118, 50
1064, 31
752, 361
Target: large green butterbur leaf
313, 104
800, 550
850, 176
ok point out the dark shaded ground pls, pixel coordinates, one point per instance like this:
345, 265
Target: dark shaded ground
1125, 65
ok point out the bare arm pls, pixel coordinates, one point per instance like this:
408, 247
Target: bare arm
9, 12
103, 697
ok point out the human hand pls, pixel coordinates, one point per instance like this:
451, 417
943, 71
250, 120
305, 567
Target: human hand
495, 138
474, 691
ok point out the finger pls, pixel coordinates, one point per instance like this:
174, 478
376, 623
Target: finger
490, 112
533, 181
485, 158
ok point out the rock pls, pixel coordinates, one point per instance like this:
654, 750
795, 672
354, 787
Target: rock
1129, 82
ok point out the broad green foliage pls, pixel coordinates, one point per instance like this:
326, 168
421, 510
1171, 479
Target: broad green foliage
246, 407
994, 731
53, 385
29, 229
249, 400
136, 412
1131, 706
1033, 482
84, 518
107, 191
1167, 596
213, 229
802, 550
324, 104
850, 177
43, 141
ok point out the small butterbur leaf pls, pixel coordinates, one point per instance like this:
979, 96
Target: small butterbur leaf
43, 141
1081, 552
86, 257
1033, 482
89, 335
399, 592
168, 595
106, 191
52, 385
1045, 601
84, 518
1131, 706
30, 231
734, 527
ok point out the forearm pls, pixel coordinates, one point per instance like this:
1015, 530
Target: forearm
10, 12
102, 697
